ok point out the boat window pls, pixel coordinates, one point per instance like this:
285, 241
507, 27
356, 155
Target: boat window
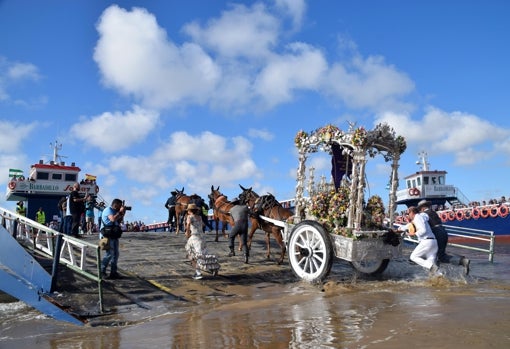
56, 176
409, 183
418, 180
71, 177
433, 180
43, 175
414, 183
441, 180
426, 180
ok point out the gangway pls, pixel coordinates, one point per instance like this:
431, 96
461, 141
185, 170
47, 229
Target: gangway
24, 278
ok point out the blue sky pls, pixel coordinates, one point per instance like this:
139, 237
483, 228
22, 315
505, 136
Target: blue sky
155, 95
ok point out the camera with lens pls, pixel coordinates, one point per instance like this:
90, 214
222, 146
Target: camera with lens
127, 208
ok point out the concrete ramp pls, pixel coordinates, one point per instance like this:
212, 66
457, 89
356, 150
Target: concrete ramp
22, 277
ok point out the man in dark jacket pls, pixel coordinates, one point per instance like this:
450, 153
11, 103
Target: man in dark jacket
77, 208
170, 206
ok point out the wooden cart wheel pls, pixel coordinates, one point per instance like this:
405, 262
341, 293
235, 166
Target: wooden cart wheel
310, 251
371, 267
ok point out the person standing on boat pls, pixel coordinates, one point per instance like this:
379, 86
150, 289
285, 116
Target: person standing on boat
441, 236
40, 216
89, 213
22, 211
425, 253
77, 208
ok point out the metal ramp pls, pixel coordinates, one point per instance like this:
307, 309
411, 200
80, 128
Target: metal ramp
22, 277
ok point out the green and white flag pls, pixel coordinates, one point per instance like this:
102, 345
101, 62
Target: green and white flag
15, 172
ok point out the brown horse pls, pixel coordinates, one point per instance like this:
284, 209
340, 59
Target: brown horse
268, 206
221, 209
181, 202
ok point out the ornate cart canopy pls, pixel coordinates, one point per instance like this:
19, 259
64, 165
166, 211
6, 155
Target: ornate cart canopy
351, 148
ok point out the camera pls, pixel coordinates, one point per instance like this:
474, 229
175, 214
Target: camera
127, 208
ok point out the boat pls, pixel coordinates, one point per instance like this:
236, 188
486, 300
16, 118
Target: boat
450, 203
46, 184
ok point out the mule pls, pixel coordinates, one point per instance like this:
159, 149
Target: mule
181, 202
221, 208
268, 206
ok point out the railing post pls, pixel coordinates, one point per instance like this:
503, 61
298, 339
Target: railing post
56, 259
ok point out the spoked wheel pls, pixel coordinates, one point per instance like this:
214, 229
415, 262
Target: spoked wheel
310, 251
371, 267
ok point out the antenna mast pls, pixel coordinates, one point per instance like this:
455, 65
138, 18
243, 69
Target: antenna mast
423, 161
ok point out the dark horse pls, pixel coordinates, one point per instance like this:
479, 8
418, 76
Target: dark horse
221, 209
268, 206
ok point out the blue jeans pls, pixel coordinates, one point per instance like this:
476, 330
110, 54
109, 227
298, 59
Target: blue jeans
67, 222
111, 257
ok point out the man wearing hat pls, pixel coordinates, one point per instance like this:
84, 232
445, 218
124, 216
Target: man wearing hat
441, 235
170, 205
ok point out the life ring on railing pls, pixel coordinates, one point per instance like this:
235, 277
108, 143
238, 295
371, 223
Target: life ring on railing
97, 189
12, 185
459, 215
493, 211
414, 191
451, 215
475, 213
467, 213
443, 216
484, 213
503, 211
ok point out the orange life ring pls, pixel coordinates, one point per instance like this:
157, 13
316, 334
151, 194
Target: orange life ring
97, 189
503, 211
443, 216
459, 215
451, 215
493, 211
475, 213
484, 213
414, 191
467, 213
12, 185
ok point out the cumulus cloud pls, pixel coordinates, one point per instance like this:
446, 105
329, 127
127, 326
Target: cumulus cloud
115, 131
197, 160
14, 73
262, 134
469, 137
240, 60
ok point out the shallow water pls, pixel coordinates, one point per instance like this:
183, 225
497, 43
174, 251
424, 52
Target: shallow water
403, 308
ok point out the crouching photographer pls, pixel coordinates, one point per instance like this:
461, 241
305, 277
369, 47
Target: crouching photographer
110, 234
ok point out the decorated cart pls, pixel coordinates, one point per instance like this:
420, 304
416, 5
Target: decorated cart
335, 219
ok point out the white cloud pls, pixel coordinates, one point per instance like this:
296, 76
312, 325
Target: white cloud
262, 134
112, 132
469, 137
16, 72
368, 83
294, 8
235, 62
136, 58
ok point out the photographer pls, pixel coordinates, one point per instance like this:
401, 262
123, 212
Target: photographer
112, 217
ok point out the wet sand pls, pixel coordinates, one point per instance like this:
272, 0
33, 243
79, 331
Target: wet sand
262, 304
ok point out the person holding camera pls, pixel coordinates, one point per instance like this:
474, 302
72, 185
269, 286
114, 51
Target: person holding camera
112, 217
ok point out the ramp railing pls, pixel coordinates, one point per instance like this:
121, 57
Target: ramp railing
81, 256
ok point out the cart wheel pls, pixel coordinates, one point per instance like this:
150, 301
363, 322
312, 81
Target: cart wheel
310, 251
371, 267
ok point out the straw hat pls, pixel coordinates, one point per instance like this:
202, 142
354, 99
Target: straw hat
424, 203
192, 207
